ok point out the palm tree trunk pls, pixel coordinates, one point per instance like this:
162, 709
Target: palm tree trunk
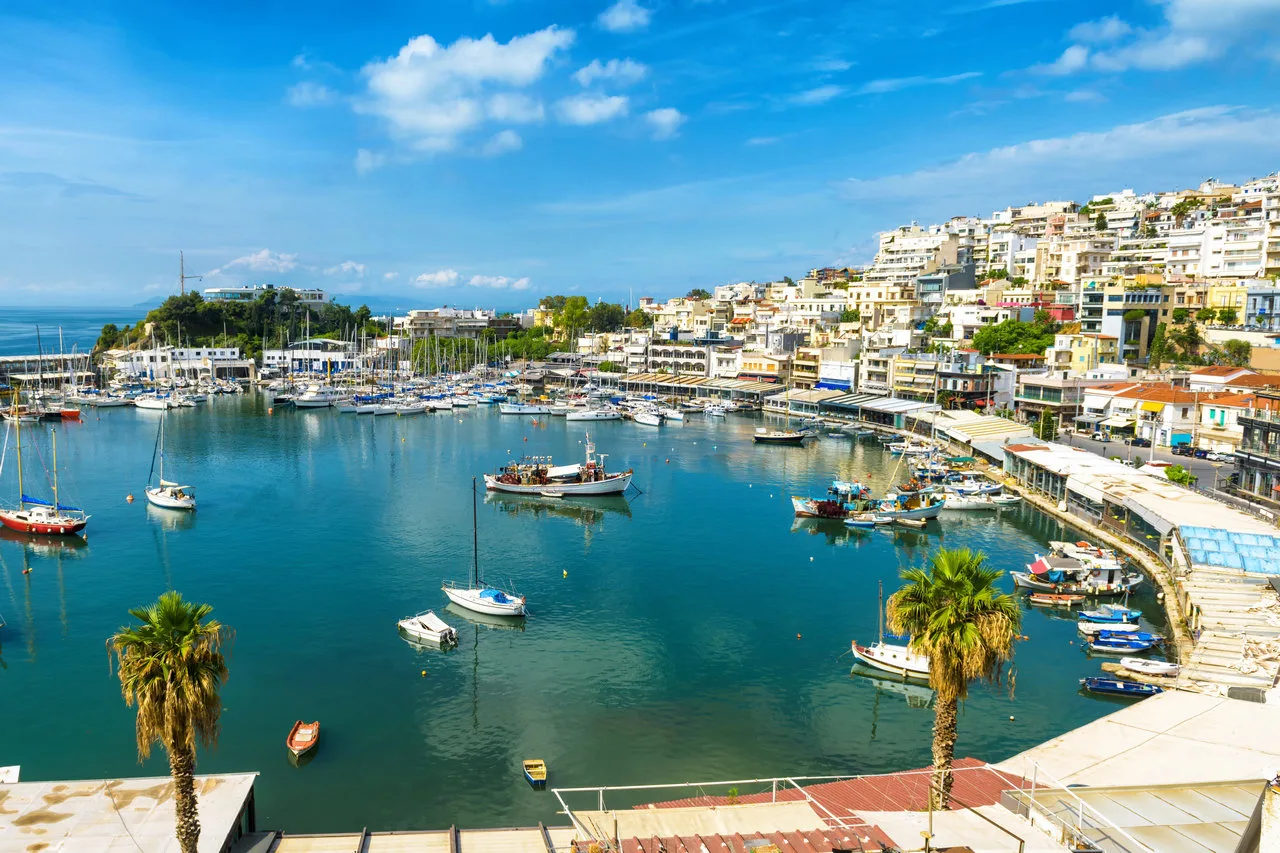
944, 750
182, 765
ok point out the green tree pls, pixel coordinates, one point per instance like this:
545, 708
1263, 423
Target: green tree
553, 303
606, 317
1183, 207
1019, 281
1014, 336
171, 668
955, 614
1238, 353
1158, 351
998, 274
1206, 315
638, 319
698, 293
108, 337
1134, 315
1180, 315
850, 315
573, 317
1188, 340
1045, 427
1228, 316
1181, 476
786, 279
610, 367
1100, 224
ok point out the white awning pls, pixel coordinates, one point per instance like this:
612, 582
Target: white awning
1118, 422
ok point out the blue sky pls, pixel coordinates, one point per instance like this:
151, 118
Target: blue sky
485, 152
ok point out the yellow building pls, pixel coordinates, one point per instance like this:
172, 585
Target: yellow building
767, 367
1081, 353
1230, 294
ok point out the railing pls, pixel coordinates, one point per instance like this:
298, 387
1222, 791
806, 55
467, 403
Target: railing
1082, 825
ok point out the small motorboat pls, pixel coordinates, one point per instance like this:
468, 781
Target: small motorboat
1112, 646
1110, 613
1150, 667
1130, 636
867, 520
303, 738
1116, 687
1050, 599
1092, 628
429, 627
779, 436
535, 773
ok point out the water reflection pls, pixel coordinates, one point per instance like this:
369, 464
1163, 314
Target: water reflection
171, 519
499, 623
587, 512
46, 546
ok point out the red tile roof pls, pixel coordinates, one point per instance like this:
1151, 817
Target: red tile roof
1160, 394
1219, 370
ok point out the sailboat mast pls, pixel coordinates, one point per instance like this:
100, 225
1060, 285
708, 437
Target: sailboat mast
54, 433
22, 500
880, 584
475, 539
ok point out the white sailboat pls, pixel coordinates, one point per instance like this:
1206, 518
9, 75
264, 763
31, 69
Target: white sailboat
896, 658
478, 596
167, 495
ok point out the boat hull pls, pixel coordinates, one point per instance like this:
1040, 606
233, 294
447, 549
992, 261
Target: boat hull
471, 600
523, 409
1116, 687
163, 499
613, 485
918, 514
58, 527
593, 416
786, 440
888, 659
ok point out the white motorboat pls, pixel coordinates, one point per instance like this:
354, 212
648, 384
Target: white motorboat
593, 415
909, 448
1150, 667
523, 409
1090, 628
714, 411
428, 627
956, 501
648, 418
478, 596
672, 414
317, 396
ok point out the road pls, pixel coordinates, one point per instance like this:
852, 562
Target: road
1202, 468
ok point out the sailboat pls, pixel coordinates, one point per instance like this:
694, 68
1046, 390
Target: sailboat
167, 495
40, 517
897, 658
478, 596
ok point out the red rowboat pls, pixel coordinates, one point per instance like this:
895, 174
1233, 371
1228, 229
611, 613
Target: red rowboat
303, 737
1051, 599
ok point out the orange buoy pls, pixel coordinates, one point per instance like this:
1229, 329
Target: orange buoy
797, 636
128, 498
271, 410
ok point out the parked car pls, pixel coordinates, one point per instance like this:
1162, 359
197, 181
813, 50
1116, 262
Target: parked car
1201, 453
1181, 450
1215, 456
1100, 436
1138, 441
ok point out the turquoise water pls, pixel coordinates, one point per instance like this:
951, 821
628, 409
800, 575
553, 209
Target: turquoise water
669, 652
79, 328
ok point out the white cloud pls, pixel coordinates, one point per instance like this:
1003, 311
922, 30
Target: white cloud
1192, 31
763, 140
440, 278
624, 17
309, 94
347, 268
624, 72
1083, 96
665, 122
390, 276
429, 95
894, 84
263, 260
818, 95
499, 282
831, 63
591, 109
367, 161
502, 142
1103, 30
1159, 151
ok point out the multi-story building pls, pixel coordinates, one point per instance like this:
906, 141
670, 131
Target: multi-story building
166, 362
679, 358
1219, 421
1258, 459
1058, 392
1262, 308
1012, 252
455, 323
933, 288
1079, 353
313, 355
310, 297
908, 251
875, 376
766, 366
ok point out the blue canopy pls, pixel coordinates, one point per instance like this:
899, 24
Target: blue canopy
38, 502
496, 594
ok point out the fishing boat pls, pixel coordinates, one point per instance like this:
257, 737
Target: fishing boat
1113, 646
535, 772
1051, 599
303, 738
1150, 667
1050, 573
429, 627
919, 506
1091, 629
41, 517
477, 595
909, 448
1116, 687
1110, 613
523, 409
532, 475
779, 436
843, 498
893, 657
168, 494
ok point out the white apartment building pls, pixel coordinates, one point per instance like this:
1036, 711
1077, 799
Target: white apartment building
314, 355
168, 362
1012, 252
311, 297
908, 251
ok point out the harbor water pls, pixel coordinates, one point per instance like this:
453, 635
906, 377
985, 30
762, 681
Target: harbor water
692, 631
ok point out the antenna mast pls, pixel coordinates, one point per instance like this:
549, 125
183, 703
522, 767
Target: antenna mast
182, 275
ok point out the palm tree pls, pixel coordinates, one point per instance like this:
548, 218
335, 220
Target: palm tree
955, 614
171, 667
